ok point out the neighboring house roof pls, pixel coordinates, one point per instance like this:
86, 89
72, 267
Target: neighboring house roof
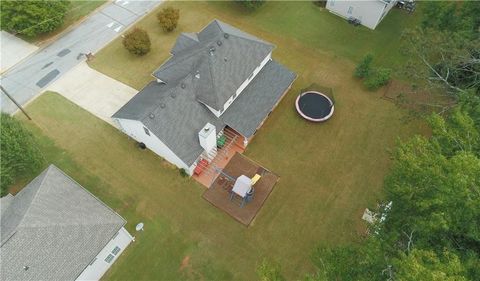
222, 56
172, 110
55, 228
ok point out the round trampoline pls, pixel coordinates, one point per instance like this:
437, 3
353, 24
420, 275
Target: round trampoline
314, 106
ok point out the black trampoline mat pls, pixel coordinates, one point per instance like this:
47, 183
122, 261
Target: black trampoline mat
314, 105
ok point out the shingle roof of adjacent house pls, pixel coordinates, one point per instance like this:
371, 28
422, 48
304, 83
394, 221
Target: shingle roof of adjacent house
175, 112
53, 227
221, 55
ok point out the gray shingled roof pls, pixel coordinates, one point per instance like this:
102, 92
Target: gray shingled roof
221, 55
55, 227
174, 112
258, 98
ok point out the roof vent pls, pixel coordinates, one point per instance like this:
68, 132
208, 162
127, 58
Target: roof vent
226, 35
211, 50
26, 267
183, 85
151, 115
197, 75
173, 95
162, 105
225, 58
219, 43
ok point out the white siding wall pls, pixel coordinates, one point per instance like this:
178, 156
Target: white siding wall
369, 12
135, 130
98, 266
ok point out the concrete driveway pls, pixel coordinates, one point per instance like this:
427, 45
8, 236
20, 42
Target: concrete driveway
27, 79
93, 91
13, 50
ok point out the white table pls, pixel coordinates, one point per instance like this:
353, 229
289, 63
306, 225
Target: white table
242, 186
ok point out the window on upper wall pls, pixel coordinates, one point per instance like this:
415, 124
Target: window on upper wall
332, 3
109, 258
147, 132
116, 250
350, 10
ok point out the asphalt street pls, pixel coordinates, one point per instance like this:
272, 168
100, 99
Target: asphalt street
29, 78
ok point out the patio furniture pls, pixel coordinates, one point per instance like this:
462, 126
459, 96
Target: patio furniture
250, 194
255, 179
201, 165
221, 141
241, 187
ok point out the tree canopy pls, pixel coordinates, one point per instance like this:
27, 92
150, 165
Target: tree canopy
432, 231
31, 18
19, 153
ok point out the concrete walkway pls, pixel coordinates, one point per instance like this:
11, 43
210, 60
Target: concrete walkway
13, 50
93, 91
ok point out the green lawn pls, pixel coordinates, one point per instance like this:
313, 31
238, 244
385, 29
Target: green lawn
328, 172
283, 23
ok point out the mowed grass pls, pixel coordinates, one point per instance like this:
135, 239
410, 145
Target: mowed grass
301, 22
328, 172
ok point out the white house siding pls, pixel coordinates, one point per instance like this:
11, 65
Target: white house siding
369, 12
135, 129
107, 256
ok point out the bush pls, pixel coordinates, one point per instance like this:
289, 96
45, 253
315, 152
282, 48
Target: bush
251, 4
168, 18
377, 78
268, 271
364, 68
137, 42
19, 152
31, 18
183, 173
320, 3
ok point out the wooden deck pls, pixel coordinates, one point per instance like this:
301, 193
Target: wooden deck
219, 193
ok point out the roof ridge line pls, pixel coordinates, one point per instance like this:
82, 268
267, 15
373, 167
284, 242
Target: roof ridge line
88, 192
27, 209
256, 41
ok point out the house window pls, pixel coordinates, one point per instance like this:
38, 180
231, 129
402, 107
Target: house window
146, 131
109, 258
332, 3
116, 250
93, 261
350, 10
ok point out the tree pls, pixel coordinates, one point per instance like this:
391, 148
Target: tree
268, 271
251, 4
374, 78
444, 50
364, 67
19, 152
377, 78
137, 42
168, 18
31, 18
428, 266
446, 61
358, 261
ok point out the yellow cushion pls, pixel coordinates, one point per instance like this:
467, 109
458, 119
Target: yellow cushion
255, 178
